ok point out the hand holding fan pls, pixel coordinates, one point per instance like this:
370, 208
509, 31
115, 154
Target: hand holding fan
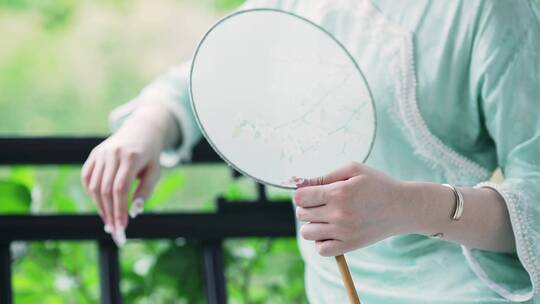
277, 96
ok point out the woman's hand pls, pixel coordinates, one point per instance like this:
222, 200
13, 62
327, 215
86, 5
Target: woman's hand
350, 208
130, 153
356, 206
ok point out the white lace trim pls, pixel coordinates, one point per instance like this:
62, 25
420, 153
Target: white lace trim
524, 246
496, 287
456, 167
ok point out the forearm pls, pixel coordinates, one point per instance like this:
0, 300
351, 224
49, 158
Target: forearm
154, 119
484, 224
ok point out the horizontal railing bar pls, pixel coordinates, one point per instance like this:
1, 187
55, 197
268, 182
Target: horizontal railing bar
274, 219
232, 220
70, 150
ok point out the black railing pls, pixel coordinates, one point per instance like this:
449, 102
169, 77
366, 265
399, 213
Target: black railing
229, 221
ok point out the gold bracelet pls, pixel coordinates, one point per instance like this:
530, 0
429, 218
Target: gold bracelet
459, 202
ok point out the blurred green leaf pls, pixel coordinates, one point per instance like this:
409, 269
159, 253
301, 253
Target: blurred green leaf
172, 272
180, 268
264, 271
14, 197
56, 272
60, 192
23, 175
166, 188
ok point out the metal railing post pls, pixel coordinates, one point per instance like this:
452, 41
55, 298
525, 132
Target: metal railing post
5, 274
265, 220
215, 286
261, 193
109, 273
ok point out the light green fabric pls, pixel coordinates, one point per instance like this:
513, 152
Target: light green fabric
457, 88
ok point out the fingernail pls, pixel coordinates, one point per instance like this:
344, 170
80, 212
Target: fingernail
138, 202
299, 181
108, 228
134, 211
136, 208
120, 237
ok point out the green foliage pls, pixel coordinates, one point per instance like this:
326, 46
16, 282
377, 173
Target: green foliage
54, 13
67, 64
16, 197
166, 188
55, 272
228, 4
162, 272
168, 271
264, 271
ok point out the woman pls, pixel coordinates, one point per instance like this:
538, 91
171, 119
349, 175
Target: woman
457, 90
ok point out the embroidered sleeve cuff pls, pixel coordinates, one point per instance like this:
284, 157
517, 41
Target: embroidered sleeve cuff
520, 279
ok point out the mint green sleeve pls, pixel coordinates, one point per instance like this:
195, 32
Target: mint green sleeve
506, 67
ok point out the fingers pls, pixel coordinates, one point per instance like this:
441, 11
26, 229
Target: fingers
324, 237
312, 192
127, 171
86, 176
317, 231
120, 192
309, 197
137, 207
94, 188
148, 179
341, 174
109, 172
87, 170
330, 248
313, 214
107, 177
110, 169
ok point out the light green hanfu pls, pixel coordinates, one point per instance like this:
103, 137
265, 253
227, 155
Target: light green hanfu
457, 90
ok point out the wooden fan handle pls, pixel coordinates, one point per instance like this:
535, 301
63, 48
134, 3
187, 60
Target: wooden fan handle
347, 279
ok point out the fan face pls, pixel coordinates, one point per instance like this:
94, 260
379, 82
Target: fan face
277, 96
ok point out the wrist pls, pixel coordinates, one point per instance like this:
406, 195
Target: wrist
429, 206
411, 210
154, 122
